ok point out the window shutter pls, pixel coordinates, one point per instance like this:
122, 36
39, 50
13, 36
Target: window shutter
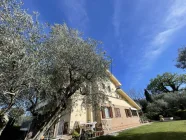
130, 113
103, 112
127, 113
110, 111
116, 114
119, 112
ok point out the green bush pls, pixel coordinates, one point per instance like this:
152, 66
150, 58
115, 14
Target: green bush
166, 104
75, 134
156, 108
181, 114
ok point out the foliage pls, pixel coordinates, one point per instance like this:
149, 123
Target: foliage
156, 108
181, 59
148, 96
166, 82
143, 103
16, 112
181, 114
143, 118
75, 134
164, 104
17, 38
37, 68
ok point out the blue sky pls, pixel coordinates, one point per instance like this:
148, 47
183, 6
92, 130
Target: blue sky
141, 36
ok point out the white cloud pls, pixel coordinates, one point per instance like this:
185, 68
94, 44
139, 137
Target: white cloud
156, 46
116, 17
176, 17
75, 11
174, 20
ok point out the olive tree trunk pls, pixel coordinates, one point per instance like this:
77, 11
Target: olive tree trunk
39, 132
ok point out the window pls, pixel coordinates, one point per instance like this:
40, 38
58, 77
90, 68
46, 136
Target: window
117, 112
106, 112
103, 86
134, 113
128, 113
109, 89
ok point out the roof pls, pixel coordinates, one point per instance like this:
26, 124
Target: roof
115, 81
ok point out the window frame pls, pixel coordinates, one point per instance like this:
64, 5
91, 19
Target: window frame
128, 113
117, 112
134, 114
103, 112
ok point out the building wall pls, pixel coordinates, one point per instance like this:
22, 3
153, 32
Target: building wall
79, 114
115, 101
119, 123
123, 121
82, 114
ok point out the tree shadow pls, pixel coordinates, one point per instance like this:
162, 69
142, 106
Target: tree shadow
147, 136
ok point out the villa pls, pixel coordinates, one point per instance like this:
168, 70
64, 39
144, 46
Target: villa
120, 112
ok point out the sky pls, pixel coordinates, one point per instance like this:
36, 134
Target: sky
141, 36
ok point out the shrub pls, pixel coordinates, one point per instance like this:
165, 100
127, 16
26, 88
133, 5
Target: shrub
144, 118
75, 134
181, 114
166, 104
161, 118
156, 108
143, 103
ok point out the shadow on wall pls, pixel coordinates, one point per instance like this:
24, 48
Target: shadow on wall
148, 136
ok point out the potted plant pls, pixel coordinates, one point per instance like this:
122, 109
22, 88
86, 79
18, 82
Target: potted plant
161, 118
75, 135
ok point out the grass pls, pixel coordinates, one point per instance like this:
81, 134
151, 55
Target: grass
174, 130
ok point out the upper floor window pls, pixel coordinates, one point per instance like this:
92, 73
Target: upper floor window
106, 112
117, 112
128, 113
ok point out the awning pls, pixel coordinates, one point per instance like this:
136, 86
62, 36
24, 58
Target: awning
133, 108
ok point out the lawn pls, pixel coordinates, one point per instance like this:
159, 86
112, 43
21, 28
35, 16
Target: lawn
174, 130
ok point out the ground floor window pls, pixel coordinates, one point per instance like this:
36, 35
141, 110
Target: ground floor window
128, 113
106, 112
117, 112
134, 113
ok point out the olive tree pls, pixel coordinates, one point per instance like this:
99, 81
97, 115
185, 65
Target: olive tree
51, 68
167, 82
67, 64
181, 59
19, 33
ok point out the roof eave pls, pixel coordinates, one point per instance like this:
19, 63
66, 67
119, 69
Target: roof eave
131, 101
113, 79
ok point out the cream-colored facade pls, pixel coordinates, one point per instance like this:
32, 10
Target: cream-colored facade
123, 110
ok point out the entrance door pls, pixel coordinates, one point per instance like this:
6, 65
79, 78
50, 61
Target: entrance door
60, 128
